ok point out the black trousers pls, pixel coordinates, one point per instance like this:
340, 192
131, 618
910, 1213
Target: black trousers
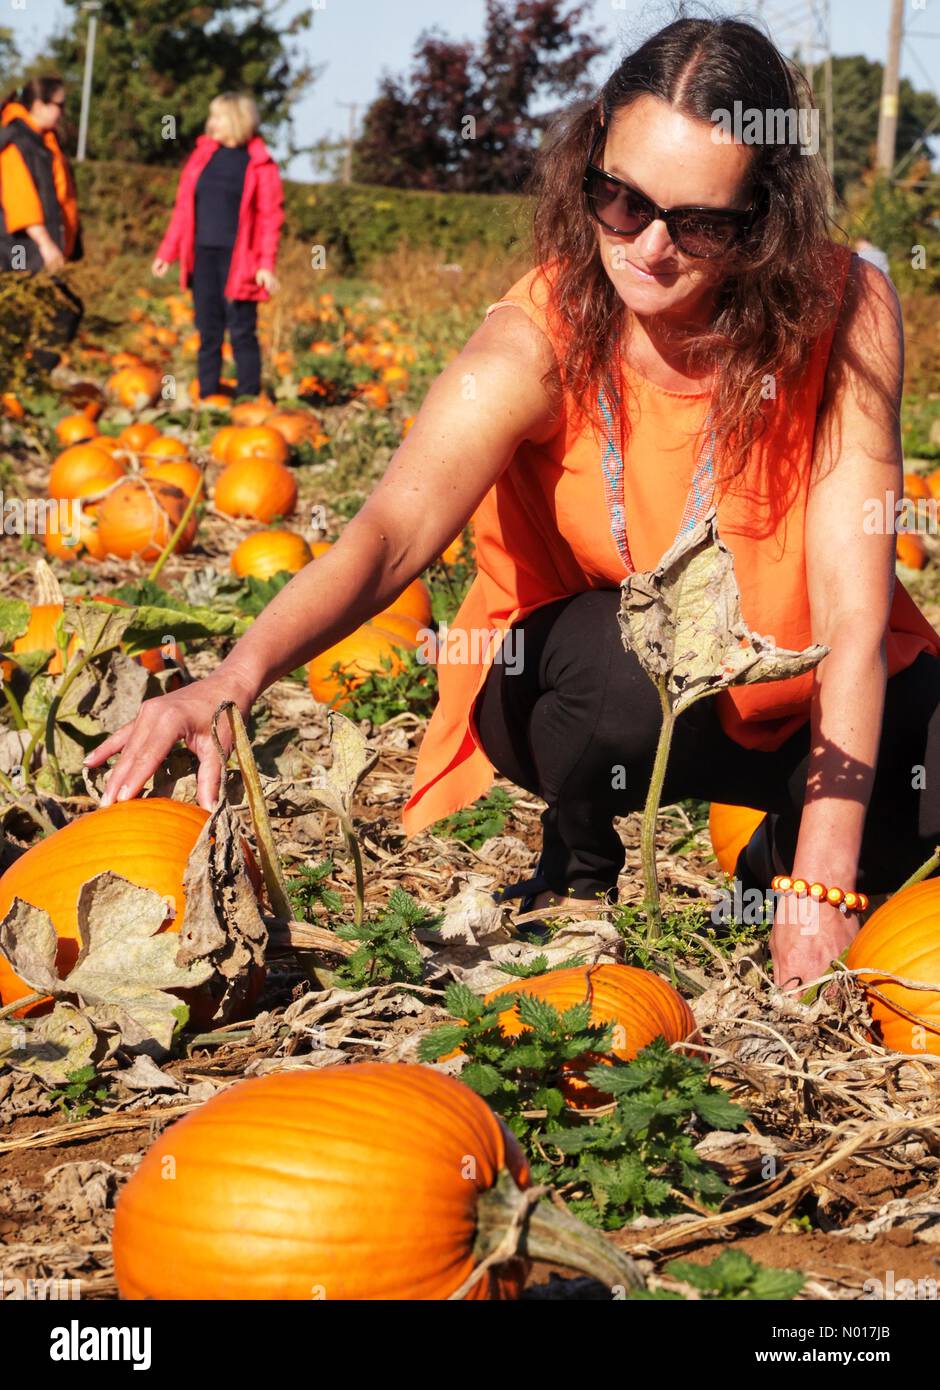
577, 725
215, 313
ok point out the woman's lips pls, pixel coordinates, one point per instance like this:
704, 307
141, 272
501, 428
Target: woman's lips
649, 274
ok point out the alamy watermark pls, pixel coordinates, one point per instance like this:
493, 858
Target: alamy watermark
775, 126
34, 516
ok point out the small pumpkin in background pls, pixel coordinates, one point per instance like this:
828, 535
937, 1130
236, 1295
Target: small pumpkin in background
902, 937
136, 437
910, 550
915, 486
359, 656
40, 636
933, 483
295, 426
73, 469
641, 1005
221, 440
178, 472
136, 386
375, 393
253, 487
75, 429
138, 518
267, 553
258, 442
165, 446
361, 1182
108, 443
145, 841
731, 828
415, 601
459, 550
251, 413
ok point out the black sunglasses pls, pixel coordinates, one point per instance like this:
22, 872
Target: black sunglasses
695, 231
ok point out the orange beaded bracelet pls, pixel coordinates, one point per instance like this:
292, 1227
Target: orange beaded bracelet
844, 900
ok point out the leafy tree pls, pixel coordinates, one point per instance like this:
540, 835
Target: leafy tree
856, 98
9, 61
468, 117
156, 59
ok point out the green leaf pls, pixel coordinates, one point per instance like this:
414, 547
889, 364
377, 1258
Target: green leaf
14, 620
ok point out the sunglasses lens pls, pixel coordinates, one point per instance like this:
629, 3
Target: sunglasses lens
615, 206
704, 236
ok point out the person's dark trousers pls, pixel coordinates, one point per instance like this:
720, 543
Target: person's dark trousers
62, 326
578, 726
215, 313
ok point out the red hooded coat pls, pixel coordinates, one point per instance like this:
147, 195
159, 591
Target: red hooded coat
260, 219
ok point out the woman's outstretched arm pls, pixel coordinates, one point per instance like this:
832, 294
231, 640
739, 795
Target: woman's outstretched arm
485, 403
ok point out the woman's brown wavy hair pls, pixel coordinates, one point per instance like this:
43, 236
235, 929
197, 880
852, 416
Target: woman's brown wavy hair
777, 297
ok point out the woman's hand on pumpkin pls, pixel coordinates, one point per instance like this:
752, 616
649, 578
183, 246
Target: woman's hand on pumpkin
159, 268
267, 280
807, 937
185, 715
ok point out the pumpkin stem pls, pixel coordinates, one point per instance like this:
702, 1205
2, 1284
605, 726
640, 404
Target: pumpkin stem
270, 863
167, 550
925, 870
515, 1221
654, 917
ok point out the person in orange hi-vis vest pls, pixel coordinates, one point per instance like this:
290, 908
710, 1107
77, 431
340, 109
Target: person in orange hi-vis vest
690, 337
39, 222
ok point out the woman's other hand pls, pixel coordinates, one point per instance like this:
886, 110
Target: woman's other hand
185, 714
807, 937
159, 268
267, 280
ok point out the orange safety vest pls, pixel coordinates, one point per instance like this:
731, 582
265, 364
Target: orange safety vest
543, 532
19, 195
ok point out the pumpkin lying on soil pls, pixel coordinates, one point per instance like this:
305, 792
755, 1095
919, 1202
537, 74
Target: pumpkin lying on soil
349, 1182
902, 937
73, 468
139, 517
147, 842
362, 654
256, 488
267, 553
641, 1005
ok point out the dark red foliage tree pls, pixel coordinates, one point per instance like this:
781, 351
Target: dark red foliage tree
468, 117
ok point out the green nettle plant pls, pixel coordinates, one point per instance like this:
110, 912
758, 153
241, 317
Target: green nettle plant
732, 1275
474, 825
683, 620
629, 1158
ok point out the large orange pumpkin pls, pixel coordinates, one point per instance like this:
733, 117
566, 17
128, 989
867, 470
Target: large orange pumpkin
221, 440
75, 466
267, 553
147, 842
359, 656
731, 828
360, 1182
136, 386
138, 518
64, 544
903, 937
255, 488
74, 429
642, 1006
259, 442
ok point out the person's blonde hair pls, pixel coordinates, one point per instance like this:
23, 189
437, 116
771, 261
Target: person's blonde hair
238, 112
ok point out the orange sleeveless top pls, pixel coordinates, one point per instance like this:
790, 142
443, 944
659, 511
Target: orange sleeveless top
543, 532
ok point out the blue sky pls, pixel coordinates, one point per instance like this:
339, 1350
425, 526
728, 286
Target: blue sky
355, 40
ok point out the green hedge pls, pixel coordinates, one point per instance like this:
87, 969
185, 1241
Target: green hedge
125, 208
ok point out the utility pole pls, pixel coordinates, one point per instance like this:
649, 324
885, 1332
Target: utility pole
92, 6
888, 114
347, 161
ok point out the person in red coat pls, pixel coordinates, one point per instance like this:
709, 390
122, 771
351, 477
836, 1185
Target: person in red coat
224, 231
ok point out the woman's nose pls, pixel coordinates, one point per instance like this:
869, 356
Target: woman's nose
654, 241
